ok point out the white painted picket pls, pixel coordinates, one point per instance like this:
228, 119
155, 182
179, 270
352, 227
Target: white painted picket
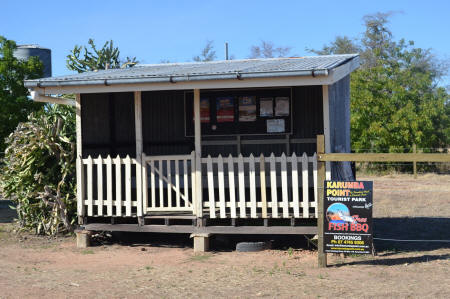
234, 187
277, 178
171, 179
108, 200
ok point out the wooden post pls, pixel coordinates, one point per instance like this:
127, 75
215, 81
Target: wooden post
81, 210
197, 123
322, 256
198, 157
262, 178
238, 144
415, 163
326, 127
139, 150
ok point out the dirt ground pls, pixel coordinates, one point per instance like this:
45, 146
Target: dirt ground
153, 266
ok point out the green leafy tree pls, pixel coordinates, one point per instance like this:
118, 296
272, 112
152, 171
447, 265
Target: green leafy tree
89, 58
14, 103
267, 49
395, 99
341, 45
39, 164
208, 53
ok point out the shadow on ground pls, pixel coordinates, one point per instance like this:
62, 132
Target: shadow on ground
420, 228
397, 261
417, 228
7, 215
217, 242
404, 228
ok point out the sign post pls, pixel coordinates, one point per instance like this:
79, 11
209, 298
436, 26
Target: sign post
322, 256
347, 217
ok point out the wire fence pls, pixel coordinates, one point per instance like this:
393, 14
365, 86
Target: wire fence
404, 167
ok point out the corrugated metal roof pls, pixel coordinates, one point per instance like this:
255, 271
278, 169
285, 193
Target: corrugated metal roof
248, 68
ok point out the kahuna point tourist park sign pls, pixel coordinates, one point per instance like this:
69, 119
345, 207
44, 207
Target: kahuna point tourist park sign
348, 217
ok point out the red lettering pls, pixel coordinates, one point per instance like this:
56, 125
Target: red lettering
365, 227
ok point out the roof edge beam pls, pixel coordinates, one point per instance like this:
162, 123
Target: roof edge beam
175, 79
38, 97
189, 85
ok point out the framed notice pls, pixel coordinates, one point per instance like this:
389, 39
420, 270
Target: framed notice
247, 109
204, 110
225, 109
251, 111
266, 107
348, 217
281, 106
275, 125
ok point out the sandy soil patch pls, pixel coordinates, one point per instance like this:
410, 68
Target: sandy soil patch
35, 267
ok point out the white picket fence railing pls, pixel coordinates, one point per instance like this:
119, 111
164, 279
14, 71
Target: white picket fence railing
261, 187
107, 187
168, 180
233, 187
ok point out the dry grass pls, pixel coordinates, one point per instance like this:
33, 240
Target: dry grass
39, 267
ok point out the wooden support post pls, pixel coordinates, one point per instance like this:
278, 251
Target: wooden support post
415, 163
326, 127
238, 144
198, 206
197, 123
288, 145
322, 256
80, 168
83, 238
139, 150
201, 242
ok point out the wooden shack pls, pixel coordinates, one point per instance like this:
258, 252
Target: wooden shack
222, 147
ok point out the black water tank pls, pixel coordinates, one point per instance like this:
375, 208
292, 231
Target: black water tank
45, 55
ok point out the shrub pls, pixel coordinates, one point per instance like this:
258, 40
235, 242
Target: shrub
39, 170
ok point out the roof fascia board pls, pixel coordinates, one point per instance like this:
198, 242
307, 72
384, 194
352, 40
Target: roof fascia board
334, 75
343, 70
37, 97
206, 84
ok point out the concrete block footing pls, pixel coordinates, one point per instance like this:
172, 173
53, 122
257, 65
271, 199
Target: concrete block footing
83, 238
201, 242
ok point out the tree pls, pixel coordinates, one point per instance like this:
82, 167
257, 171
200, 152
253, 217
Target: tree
39, 165
82, 59
14, 103
267, 49
39, 170
341, 45
208, 53
395, 100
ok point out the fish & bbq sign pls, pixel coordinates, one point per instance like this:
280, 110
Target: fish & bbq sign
348, 217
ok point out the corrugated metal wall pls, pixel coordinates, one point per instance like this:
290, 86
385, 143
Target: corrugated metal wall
107, 124
163, 121
308, 116
339, 102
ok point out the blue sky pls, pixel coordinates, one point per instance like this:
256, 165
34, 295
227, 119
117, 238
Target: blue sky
177, 30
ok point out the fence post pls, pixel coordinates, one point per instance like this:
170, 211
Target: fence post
322, 256
415, 163
198, 188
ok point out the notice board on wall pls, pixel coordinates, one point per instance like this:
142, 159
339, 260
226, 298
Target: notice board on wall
265, 111
348, 217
